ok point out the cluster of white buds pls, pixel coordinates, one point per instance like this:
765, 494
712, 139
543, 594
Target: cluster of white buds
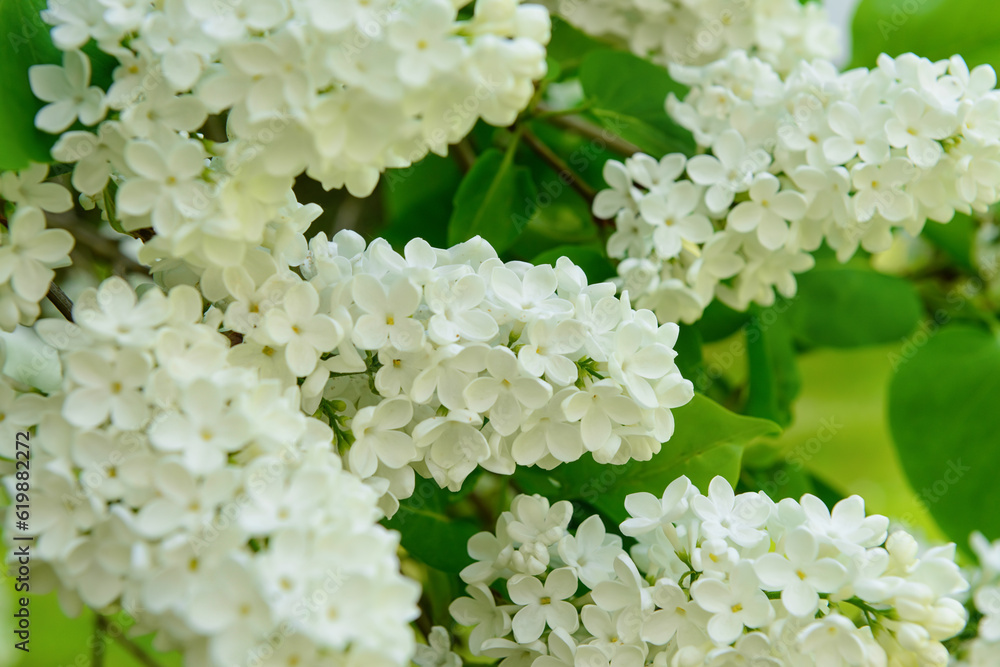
694, 32
440, 361
846, 158
196, 496
340, 92
717, 579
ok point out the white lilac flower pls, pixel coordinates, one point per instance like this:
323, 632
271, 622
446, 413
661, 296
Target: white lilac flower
166, 182
438, 652
28, 188
199, 494
377, 438
785, 168
712, 608
506, 393
780, 32
29, 252
305, 332
388, 317
361, 334
304, 89
734, 605
480, 610
543, 605
799, 573
728, 171
68, 91
768, 212
107, 387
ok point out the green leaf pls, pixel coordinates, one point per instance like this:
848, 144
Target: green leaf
845, 307
428, 533
418, 199
709, 441
496, 200
719, 321
441, 588
629, 96
773, 373
944, 420
779, 481
584, 156
568, 44
689, 358
935, 29
955, 238
589, 258
701, 469
562, 217
24, 41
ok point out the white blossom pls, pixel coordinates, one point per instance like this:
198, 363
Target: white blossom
706, 595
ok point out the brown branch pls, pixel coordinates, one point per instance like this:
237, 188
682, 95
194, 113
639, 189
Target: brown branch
464, 155
59, 299
593, 132
566, 174
235, 337
135, 650
100, 645
99, 246
563, 170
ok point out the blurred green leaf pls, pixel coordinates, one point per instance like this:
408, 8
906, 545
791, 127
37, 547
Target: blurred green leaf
846, 307
944, 420
428, 533
778, 481
441, 589
418, 198
935, 29
773, 373
709, 441
561, 216
495, 200
57, 639
568, 44
954, 238
829, 495
629, 96
24, 41
724, 460
689, 351
584, 156
719, 321
841, 436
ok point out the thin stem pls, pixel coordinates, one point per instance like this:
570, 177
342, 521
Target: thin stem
135, 651
100, 645
588, 130
564, 171
464, 155
59, 299
554, 113
235, 337
98, 245
536, 100
870, 613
